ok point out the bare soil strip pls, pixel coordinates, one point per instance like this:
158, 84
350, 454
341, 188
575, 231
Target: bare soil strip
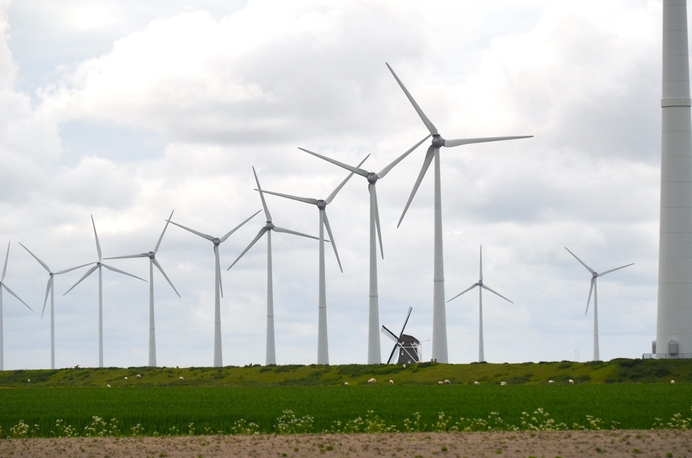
630, 443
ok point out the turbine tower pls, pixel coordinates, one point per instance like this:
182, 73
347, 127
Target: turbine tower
218, 287
322, 340
594, 289
152, 262
439, 335
98, 266
267, 229
374, 351
5, 287
51, 290
481, 287
674, 320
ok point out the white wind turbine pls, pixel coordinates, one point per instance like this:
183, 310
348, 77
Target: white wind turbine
152, 262
374, 351
322, 341
4, 286
51, 290
267, 229
98, 266
594, 289
481, 287
218, 287
439, 336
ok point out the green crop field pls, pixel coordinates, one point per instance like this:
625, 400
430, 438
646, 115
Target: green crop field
256, 399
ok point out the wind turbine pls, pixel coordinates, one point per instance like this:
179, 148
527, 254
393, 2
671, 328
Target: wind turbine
594, 289
267, 229
374, 351
322, 341
218, 287
4, 286
51, 290
152, 262
481, 287
439, 335
398, 340
98, 266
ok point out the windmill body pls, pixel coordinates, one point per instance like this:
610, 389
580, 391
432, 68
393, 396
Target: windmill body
409, 346
50, 291
439, 336
98, 266
321, 204
594, 289
674, 317
3, 286
267, 229
218, 287
152, 262
481, 286
374, 351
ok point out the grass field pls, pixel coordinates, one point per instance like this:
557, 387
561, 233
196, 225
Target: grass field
255, 399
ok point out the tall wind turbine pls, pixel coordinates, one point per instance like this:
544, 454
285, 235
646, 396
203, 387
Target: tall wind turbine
51, 290
481, 287
267, 229
374, 351
439, 336
98, 266
594, 289
218, 287
4, 286
152, 262
322, 341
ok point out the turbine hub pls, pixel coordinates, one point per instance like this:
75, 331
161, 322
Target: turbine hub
438, 141
151, 255
594, 274
321, 204
216, 241
269, 225
372, 178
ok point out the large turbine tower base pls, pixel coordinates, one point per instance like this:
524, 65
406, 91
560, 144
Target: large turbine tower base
674, 320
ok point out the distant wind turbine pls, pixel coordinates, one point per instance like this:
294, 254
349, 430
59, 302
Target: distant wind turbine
51, 290
439, 336
218, 287
481, 287
374, 351
267, 229
594, 289
322, 341
98, 266
4, 286
152, 262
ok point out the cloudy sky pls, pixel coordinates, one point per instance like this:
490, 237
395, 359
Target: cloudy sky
127, 110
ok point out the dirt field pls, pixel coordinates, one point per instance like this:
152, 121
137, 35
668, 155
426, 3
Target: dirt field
668, 443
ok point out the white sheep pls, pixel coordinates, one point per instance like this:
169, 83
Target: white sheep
672, 382
440, 382
139, 375
476, 383
181, 378
108, 385
28, 380
447, 382
503, 383
570, 381
125, 378
372, 381
551, 382
345, 383
391, 382
404, 365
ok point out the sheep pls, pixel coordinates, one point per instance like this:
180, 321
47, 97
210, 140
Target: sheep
672, 382
447, 382
372, 381
503, 383
404, 365
108, 385
345, 383
125, 378
181, 378
440, 382
139, 375
551, 382
476, 383
28, 380
391, 382
570, 381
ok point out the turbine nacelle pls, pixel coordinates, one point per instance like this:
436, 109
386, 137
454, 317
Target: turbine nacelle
321, 204
372, 177
216, 241
151, 255
269, 225
438, 141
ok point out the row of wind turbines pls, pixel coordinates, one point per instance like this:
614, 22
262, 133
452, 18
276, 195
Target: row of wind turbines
439, 331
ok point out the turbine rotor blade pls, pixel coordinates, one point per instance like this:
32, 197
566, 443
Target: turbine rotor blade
89, 272
307, 200
156, 263
7, 256
264, 203
257, 237
481, 265
467, 141
581, 262
426, 121
356, 170
385, 171
205, 236
225, 237
72, 268
373, 189
288, 231
96, 236
496, 293
49, 285
140, 255
218, 268
113, 269
426, 164
36, 258
338, 188
593, 283
331, 237
613, 270
156, 249
18, 298
465, 291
